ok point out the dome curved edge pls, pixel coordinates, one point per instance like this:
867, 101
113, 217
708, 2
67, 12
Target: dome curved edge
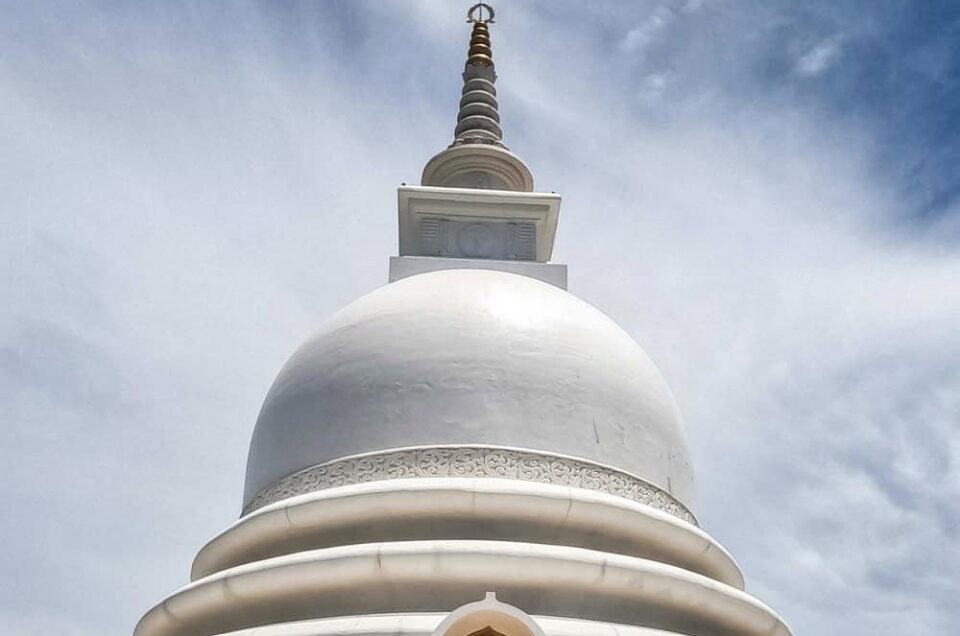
473, 357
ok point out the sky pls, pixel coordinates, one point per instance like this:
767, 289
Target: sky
765, 194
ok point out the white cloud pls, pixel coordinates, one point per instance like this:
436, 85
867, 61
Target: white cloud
653, 86
644, 34
820, 58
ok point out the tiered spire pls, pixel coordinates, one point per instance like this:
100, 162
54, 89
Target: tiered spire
477, 157
478, 121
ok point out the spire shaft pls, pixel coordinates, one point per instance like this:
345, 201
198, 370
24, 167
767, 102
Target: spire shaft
477, 157
478, 121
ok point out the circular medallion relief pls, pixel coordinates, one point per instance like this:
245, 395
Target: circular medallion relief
477, 240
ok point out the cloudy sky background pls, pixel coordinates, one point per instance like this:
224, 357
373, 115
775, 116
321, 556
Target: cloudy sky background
766, 194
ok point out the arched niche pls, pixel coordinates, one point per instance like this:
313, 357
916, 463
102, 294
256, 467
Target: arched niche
488, 617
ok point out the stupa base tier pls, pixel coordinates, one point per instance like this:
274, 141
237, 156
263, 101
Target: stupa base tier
457, 508
438, 576
426, 625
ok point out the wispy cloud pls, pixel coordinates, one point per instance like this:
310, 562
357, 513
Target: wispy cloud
819, 58
643, 35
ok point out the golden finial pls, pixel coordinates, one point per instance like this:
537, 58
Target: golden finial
479, 8
478, 121
480, 52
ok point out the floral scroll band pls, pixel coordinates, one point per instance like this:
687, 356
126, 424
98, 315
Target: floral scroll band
471, 461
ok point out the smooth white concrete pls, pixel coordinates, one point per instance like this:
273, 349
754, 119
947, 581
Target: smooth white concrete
405, 266
431, 576
451, 508
471, 357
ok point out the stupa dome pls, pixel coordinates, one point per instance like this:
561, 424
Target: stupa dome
471, 357
470, 449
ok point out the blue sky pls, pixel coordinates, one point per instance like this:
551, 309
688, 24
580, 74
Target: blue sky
765, 194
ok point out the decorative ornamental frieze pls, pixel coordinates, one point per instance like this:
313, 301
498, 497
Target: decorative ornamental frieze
471, 461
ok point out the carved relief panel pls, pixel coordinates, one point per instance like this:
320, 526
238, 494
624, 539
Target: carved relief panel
498, 240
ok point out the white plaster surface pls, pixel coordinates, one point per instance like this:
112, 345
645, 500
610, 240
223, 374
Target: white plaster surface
452, 508
405, 266
471, 357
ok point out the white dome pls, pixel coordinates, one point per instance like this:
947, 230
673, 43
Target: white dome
471, 357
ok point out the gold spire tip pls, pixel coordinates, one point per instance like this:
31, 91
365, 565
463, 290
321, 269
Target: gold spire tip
475, 14
480, 53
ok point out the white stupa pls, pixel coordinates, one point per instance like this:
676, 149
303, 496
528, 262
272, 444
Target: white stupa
469, 450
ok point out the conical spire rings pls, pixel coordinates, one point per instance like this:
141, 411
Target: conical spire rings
477, 157
478, 120
480, 51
